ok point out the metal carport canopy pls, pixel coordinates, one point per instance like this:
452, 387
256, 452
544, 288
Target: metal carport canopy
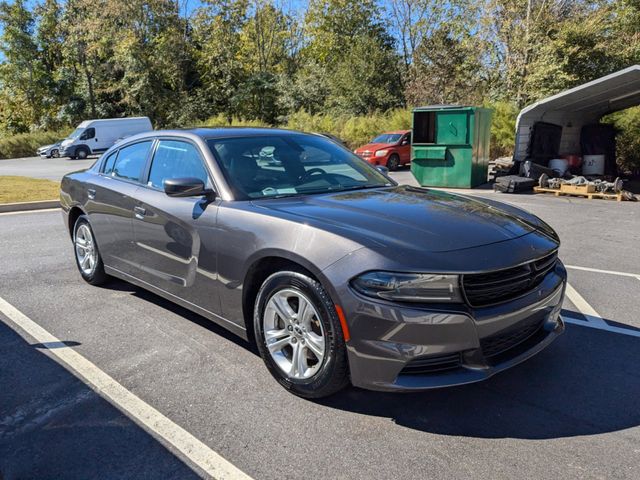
614, 92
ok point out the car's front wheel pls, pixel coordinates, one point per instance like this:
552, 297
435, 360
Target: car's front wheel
393, 163
82, 153
86, 251
55, 153
299, 335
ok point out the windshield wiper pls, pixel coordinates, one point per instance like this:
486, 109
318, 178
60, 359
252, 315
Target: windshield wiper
360, 187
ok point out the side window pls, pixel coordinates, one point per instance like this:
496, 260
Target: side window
88, 134
109, 162
131, 161
176, 159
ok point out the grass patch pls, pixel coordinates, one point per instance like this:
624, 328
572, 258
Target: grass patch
25, 189
26, 144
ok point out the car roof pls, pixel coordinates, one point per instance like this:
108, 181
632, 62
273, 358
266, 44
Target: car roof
222, 132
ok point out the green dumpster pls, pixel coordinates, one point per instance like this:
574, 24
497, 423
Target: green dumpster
450, 145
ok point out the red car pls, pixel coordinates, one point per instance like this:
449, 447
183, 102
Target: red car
390, 149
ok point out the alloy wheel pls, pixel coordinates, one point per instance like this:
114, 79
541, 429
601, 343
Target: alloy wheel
293, 334
86, 253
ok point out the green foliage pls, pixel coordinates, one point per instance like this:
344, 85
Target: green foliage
351, 49
354, 130
628, 140
26, 144
333, 66
503, 127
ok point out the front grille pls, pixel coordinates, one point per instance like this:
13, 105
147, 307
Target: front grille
482, 289
365, 154
432, 364
504, 341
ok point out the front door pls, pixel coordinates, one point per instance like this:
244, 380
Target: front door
405, 149
176, 237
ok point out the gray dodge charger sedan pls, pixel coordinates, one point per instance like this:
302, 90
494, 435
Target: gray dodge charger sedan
338, 274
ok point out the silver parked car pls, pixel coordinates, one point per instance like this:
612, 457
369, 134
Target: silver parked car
50, 151
338, 274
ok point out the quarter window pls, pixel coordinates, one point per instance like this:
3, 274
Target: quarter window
109, 162
131, 161
175, 159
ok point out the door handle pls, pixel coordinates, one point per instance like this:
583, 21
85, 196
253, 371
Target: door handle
91, 193
139, 212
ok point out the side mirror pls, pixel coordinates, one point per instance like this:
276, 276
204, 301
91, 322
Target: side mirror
382, 169
186, 187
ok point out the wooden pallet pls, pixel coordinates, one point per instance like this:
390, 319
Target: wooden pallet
590, 195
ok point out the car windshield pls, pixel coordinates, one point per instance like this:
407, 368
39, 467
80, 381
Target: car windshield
290, 165
387, 138
76, 133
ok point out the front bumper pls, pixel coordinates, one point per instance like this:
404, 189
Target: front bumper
68, 151
405, 348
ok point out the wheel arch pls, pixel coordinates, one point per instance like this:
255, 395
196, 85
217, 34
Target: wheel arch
265, 265
74, 213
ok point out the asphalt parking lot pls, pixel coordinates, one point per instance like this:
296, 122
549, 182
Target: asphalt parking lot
570, 412
48, 168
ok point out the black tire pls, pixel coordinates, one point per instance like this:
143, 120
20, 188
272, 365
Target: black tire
97, 276
81, 153
55, 153
333, 373
393, 163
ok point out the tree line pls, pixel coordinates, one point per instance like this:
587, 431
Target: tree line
266, 60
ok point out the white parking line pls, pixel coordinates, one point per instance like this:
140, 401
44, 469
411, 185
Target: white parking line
592, 318
131, 405
608, 272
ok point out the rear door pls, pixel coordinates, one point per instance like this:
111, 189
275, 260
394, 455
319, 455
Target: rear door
111, 204
176, 237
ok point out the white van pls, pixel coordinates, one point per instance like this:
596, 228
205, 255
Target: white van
96, 136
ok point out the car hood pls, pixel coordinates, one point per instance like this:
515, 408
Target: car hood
372, 147
407, 217
66, 141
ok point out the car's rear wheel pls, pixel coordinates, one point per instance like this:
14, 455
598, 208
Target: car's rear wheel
393, 162
86, 252
299, 335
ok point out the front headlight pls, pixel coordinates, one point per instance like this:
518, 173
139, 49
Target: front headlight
381, 153
409, 287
